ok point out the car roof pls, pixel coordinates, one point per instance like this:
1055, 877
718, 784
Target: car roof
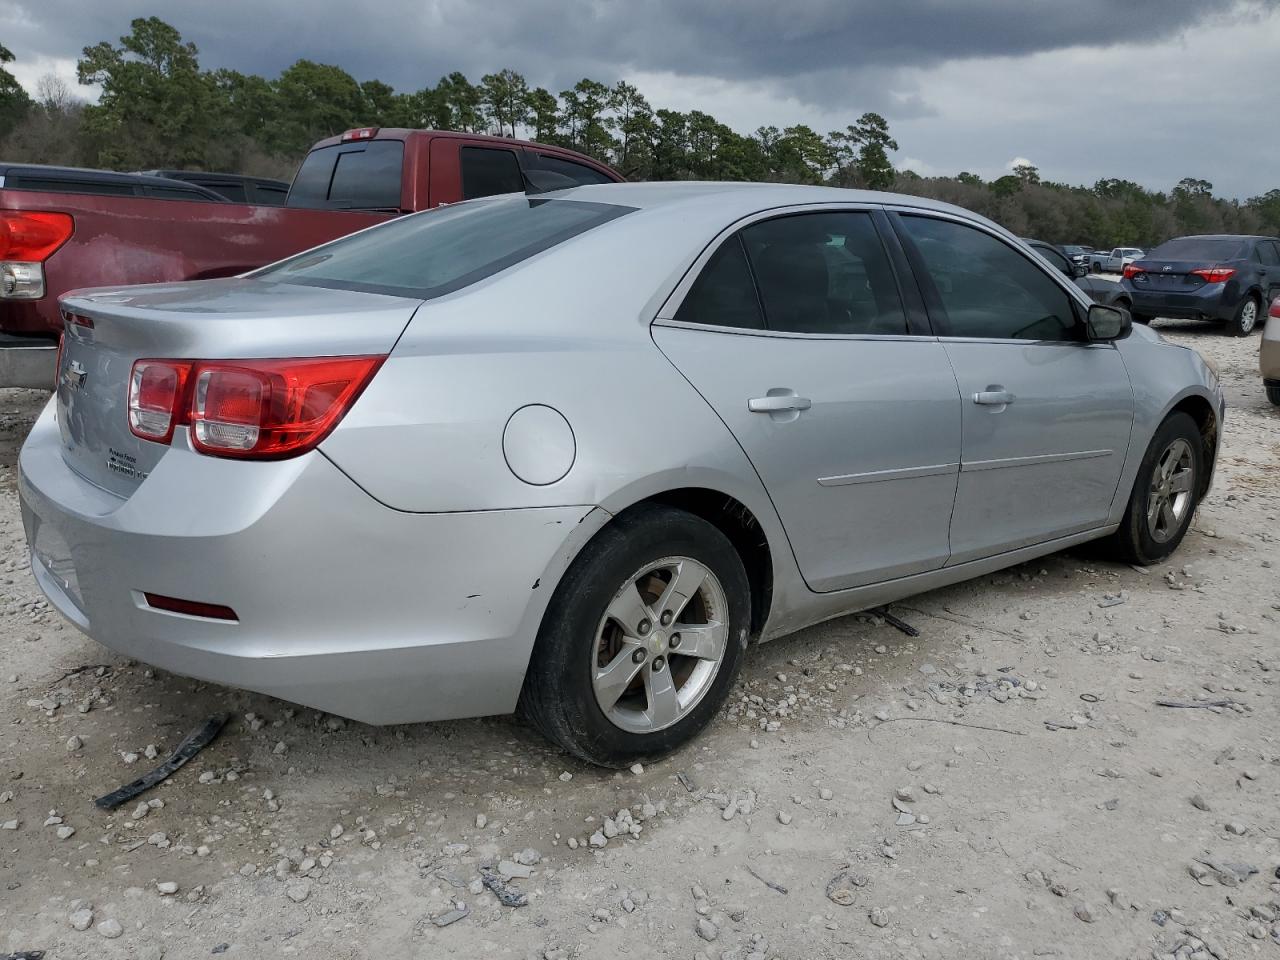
736, 199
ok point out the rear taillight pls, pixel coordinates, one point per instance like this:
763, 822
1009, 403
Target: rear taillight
1214, 274
255, 409
1275, 308
27, 239
1131, 270
157, 391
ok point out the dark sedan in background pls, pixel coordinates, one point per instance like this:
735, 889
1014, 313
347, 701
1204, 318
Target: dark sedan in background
1228, 279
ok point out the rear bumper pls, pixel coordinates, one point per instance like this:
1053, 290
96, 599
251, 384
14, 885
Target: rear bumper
1208, 303
343, 604
27, 362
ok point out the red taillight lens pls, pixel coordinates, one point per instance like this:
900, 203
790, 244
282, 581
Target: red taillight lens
257, 409
1215, 274
191, 608
1131, 270
1275, 308
156, 391
32, 237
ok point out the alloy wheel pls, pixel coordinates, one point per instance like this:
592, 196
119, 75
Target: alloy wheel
659, 645
1249, 315
1171, 491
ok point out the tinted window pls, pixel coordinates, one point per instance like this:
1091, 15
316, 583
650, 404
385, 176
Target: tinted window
177, 193
311, 183
1267, 253
351, 175
1200, 248
723, 294
824, 273
579, 173
55, 185
1058, 261
488, 172
234, 192
430, 254
271, 196
368, 178
987, 289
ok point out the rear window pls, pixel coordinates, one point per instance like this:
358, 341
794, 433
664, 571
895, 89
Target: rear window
430, 254
1200, 248
363, 176
579, 173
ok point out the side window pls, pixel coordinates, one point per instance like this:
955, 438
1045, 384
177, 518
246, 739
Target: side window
1267, 253
487, 172
269, 195
1054, 257
723, 295
824, 273
579, 173
989, 290
234, 192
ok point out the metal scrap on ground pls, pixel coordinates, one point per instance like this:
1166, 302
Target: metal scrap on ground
506, 896
195, 741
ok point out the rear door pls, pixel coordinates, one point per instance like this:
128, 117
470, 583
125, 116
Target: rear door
1046, 415
1268, 253
802, 334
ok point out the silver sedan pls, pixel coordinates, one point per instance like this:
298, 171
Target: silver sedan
570, 454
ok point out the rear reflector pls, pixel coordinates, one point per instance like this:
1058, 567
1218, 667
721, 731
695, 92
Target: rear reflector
32, 235
255, 409
1215, 274
192, 608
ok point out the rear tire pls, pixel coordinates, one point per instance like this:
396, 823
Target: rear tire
1174, 461
1273, 394
605, 668
1245, 320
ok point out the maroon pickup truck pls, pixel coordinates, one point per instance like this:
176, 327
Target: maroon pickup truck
62, 229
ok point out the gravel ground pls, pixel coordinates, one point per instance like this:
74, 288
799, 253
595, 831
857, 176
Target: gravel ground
1003, 786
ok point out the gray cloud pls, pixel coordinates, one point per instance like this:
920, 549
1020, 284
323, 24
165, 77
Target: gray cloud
816, 61
809, 47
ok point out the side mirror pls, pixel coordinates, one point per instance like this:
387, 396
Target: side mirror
1105, 324
1079, 270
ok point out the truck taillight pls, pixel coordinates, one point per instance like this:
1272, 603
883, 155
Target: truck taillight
1131, 270
252, 409
360, 133
1215, 274
27, 239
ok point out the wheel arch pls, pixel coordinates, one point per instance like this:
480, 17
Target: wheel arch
1201, 410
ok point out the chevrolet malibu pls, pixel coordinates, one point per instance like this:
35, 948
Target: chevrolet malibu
569, 454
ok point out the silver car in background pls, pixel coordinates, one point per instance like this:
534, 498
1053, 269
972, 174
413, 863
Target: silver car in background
569, 454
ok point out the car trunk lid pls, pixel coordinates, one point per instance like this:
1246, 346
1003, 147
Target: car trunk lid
108, 330
1169, 276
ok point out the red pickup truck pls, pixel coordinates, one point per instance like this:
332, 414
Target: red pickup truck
62, 229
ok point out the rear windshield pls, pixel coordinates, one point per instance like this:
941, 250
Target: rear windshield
430, 254
1200, 248
363, 175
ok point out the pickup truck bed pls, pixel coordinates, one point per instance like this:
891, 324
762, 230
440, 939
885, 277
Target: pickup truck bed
60, 239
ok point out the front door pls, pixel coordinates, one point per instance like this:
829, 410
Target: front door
1046, 415
795, 333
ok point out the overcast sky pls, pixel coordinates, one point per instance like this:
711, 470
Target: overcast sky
1147, 90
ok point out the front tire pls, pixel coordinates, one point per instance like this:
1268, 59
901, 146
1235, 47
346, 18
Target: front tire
1245, 320
642, 640
1165, 494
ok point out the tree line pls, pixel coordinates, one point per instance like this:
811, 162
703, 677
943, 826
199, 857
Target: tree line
159, 109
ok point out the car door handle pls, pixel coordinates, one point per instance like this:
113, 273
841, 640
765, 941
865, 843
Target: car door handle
993, 397
776, 403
